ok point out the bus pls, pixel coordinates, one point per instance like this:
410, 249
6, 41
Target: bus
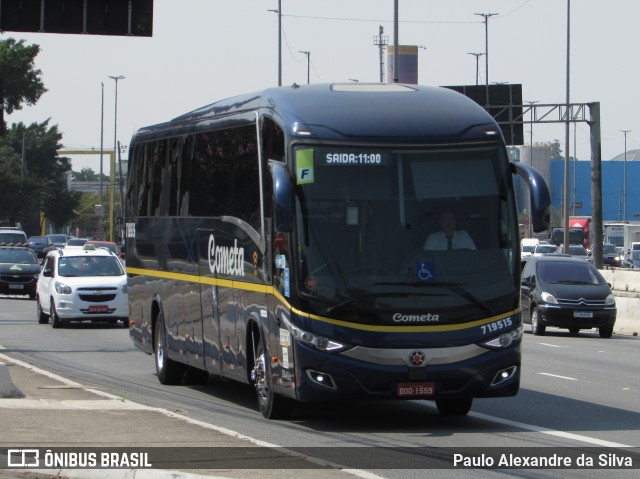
277, 239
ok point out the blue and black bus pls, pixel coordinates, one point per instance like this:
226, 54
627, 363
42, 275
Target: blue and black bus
278, 239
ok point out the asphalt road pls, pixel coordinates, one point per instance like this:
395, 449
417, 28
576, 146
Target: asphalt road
576, 392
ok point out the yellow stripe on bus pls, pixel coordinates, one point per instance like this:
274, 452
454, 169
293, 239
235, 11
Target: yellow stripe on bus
259, 288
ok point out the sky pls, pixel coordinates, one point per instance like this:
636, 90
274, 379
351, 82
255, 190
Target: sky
202, 51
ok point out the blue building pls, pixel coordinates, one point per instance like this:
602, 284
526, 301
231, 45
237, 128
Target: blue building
613, 174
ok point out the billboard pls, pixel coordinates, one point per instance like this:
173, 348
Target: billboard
94, 17
407, 64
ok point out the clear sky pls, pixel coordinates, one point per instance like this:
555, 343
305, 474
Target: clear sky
206, 50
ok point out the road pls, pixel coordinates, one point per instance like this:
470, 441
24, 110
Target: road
576, 391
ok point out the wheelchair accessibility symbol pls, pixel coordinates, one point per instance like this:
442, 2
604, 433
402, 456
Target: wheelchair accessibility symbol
425, 272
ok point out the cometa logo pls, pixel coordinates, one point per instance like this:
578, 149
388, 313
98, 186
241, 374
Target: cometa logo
225, 260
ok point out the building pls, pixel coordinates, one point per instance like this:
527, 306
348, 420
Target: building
613, 183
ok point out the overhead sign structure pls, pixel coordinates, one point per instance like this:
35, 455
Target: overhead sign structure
504, 104
90, 17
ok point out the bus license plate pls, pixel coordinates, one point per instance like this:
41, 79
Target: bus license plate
102, 308
583, 314
415, 389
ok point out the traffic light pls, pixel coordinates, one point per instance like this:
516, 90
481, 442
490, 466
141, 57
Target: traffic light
92, 17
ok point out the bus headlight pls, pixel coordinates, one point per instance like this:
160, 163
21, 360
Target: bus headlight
318, 342
505, 339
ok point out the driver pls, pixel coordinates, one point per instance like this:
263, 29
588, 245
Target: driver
448, 237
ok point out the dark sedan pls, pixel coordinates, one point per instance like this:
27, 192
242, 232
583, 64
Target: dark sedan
566, 292
19, 269
41, 245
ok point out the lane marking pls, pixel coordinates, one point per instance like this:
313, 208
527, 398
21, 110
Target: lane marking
558, 376
550, 432
552, 345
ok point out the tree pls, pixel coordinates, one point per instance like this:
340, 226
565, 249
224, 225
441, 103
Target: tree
87, 174
20, 81
39, 183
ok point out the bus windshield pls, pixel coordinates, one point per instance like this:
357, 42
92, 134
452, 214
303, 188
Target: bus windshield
370, 224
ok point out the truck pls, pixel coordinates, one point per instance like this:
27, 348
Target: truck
582, 222
622, 235
576, 236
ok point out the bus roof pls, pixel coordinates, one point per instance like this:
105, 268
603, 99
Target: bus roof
352, 111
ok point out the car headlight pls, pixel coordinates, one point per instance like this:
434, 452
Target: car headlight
318, 342
505, 339
610, 301
549, 298
62, 288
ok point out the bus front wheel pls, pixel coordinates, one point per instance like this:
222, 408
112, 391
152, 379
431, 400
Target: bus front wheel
272, 406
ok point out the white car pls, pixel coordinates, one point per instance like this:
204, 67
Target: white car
84, 284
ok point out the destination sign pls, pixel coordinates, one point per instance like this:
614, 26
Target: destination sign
329, 156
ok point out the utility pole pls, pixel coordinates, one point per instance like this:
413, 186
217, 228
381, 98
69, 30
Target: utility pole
486, 49
308, 54
477, 55
567, 130
381, 41
279, 12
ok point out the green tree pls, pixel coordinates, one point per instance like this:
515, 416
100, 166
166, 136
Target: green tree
87, 174
39, 183
20, 81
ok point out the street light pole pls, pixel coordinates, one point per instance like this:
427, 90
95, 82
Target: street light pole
486, 48
101, 229
279, 12
115, 128
624, 178
477, 55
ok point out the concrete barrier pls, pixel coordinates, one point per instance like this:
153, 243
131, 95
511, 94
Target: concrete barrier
625, 284
7, 388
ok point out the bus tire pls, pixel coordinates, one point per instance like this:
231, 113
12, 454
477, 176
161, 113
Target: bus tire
454, 406
168, 370
271, 405
536, 328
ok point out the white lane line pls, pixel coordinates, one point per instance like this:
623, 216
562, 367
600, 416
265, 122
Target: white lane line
551, 432
551, 345
558, 376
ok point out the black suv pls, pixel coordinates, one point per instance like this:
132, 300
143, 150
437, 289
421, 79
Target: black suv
566, 292
19, 269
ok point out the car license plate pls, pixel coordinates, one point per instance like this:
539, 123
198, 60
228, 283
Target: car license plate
16, 286
583, 314
415, 389
101, 308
